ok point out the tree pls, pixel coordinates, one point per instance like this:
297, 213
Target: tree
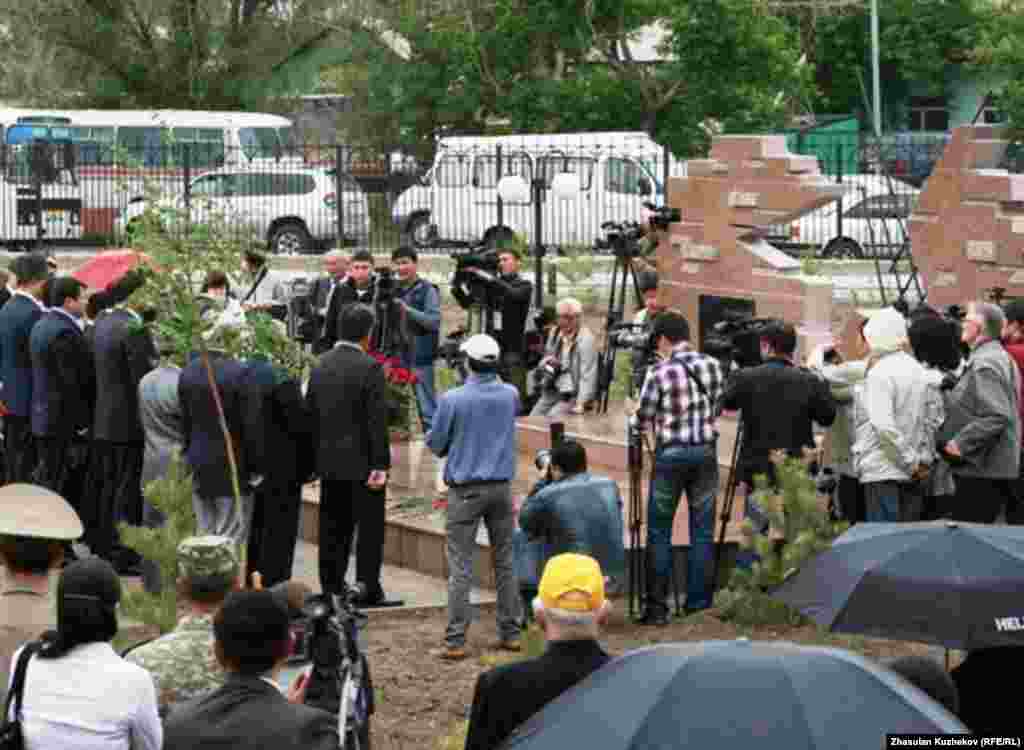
558, 65
188, 54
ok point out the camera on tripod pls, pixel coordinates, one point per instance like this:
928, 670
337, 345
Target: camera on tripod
737, 340
475, 290
662, 216
622, 238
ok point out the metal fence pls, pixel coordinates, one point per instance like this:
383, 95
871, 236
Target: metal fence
555, 190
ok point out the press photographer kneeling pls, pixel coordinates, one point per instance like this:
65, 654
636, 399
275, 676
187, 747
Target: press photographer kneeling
569, 510
567, 375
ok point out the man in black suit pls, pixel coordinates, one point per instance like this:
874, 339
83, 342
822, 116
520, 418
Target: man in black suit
360, 285
124, 352
17, 317
63, 392
779, 402
347, 401
571, 608
277, 436
252, 639
205, 449
321, 292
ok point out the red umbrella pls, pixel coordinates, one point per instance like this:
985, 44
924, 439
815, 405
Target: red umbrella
104, 269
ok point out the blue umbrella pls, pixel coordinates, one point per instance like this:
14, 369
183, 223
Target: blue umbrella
735, 695
952, 584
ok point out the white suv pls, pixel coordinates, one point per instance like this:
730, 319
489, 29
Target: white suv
294, 208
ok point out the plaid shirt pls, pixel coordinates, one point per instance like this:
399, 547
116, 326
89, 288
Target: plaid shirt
679, 410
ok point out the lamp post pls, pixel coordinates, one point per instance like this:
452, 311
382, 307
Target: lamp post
876, 77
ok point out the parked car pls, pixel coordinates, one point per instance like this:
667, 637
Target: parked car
868, 221
294, 208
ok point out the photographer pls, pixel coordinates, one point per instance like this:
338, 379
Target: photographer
567, 376
779, 402
570, 510
508, 296
358, 286
420, 304
638, 337
678, 402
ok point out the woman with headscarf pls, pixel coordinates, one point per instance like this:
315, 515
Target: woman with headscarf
78, 693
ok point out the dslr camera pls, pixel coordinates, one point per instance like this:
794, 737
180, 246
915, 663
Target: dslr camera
548, 374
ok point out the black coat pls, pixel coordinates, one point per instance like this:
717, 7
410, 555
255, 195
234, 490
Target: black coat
124, 352
63, 377
347, 400
16, 320
344, 295
505, 697
778, 403
276, 425
247, 712
205, 449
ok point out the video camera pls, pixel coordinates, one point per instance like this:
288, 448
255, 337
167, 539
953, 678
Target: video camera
622, 238
385, 281
738, 340
472, 289
662, 216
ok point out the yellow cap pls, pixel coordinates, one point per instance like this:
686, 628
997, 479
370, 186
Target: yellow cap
573, 582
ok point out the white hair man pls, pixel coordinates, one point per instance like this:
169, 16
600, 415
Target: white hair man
567, 376
571, 608
982, 433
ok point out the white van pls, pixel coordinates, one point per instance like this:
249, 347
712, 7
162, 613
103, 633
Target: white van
618, 173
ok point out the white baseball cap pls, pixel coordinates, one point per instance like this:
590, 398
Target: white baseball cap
481, 348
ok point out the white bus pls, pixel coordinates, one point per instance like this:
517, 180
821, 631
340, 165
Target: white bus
458, 198
116, 150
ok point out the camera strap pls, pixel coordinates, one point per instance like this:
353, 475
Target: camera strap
693, 376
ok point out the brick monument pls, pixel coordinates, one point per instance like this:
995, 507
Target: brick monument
967, 231
716, 258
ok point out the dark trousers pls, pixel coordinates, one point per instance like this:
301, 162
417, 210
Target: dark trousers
850, 496
891, 502
114, 495
274, 530
980, 499
63, 467
344, 505
19, 448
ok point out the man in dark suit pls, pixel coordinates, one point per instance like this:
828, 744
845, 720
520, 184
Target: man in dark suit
124, 352
571, 608
63, 392
17, 317
347, 402
277, 437
205, 449
321, 292
252, 640
359, 286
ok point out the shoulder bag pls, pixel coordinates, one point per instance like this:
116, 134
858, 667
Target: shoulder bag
10, 725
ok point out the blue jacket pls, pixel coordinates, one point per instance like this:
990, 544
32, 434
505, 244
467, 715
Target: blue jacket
63, 377
581, 513
17, 317
423, 308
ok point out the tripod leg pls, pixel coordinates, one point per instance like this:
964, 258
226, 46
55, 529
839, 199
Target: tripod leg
730, 497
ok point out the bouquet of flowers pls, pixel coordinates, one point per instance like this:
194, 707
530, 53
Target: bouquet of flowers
400, 391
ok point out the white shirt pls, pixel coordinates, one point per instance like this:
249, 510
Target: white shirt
89, 699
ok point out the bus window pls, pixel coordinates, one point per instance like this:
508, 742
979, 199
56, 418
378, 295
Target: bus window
260, 143
206, 146
622, 176
95, 145
20, 134
143, 146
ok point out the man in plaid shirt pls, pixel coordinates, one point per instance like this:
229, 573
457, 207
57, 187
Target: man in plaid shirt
679, 401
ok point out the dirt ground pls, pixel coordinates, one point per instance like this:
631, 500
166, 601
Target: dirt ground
423, 702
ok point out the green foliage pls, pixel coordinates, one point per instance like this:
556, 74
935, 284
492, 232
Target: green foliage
807, 529
172, 496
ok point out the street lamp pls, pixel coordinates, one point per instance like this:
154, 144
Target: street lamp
876, 78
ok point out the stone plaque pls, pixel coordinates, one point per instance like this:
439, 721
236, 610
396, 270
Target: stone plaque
693, 251
944, 279
738, 199
754, 164
981, 251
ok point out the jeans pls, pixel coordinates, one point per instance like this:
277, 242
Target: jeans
890, 501
692, 469
425, 399
467, 505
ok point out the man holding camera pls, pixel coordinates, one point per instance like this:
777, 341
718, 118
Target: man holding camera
567, 375
571, 510
475, 429
779, 402
509, 297
679, 402
638, 337
420, 305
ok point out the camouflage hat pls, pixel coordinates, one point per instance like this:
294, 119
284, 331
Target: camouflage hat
207, 556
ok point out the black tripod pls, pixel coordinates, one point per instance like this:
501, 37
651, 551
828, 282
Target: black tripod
730, 499
623, 239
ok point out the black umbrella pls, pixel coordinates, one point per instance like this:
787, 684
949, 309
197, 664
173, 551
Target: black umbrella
735, 695
952, 584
